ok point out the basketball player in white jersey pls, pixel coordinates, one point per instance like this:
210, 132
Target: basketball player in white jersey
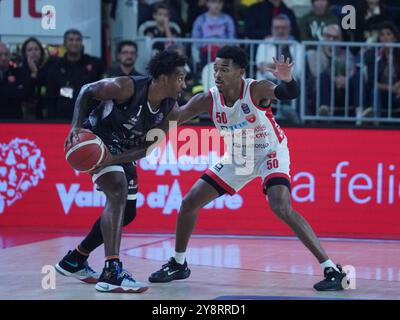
237, 103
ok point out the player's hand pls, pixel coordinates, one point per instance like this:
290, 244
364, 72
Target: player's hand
73, 135
283, 69
108, 161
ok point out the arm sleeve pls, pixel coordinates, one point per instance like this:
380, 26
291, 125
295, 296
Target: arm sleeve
287, 90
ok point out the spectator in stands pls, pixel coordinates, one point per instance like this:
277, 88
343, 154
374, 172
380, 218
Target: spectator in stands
195, 8
145, 10
13, 86
386, 58
258, 18
369, 15
280, 30
312, 25
241, 7
68, 75
127, 53
210, 25
373, 13
36, 65
160, 26
340, 74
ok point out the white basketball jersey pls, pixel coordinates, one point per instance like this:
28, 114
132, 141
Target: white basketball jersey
245, 114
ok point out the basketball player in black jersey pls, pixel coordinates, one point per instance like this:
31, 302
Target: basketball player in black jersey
129, 108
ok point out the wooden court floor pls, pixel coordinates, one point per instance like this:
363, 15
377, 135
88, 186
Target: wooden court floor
222, 268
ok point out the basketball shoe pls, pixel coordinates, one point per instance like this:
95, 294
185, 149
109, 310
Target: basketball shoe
71, 267
171, 271
115, 279
333, 280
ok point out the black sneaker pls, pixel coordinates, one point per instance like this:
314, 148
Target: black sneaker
70, 267
172, 270
115, 279
333, 280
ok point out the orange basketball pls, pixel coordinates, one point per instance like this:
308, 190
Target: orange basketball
86, 152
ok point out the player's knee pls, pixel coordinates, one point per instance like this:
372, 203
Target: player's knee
130, 212
118, 192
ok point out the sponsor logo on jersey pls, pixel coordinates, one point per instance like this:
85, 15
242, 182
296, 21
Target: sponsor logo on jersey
261, 135
271, 155
159, 118
251, 118
261, 145
245, 108
218, 167
235, 126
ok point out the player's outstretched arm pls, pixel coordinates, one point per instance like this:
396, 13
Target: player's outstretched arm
119, 89
197, 105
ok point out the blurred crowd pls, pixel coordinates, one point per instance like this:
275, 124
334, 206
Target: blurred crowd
37, 84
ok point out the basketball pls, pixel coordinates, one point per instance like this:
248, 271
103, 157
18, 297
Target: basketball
86, 152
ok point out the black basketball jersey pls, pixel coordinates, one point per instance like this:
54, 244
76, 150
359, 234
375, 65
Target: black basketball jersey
124, 126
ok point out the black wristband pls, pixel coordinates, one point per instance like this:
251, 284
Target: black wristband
287, 90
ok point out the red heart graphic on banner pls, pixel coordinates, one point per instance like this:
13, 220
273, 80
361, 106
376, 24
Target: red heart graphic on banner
21, 167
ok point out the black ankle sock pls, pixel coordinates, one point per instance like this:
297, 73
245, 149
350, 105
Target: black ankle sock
109, 262
77, 256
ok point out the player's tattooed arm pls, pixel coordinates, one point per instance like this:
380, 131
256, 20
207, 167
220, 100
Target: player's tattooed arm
197, 105
118, 89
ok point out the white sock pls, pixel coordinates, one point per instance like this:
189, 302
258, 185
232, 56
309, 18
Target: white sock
180, 257
329, 263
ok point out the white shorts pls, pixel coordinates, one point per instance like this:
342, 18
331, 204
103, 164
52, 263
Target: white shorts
273, 168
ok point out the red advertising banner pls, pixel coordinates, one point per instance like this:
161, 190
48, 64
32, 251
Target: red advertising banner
346, 183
